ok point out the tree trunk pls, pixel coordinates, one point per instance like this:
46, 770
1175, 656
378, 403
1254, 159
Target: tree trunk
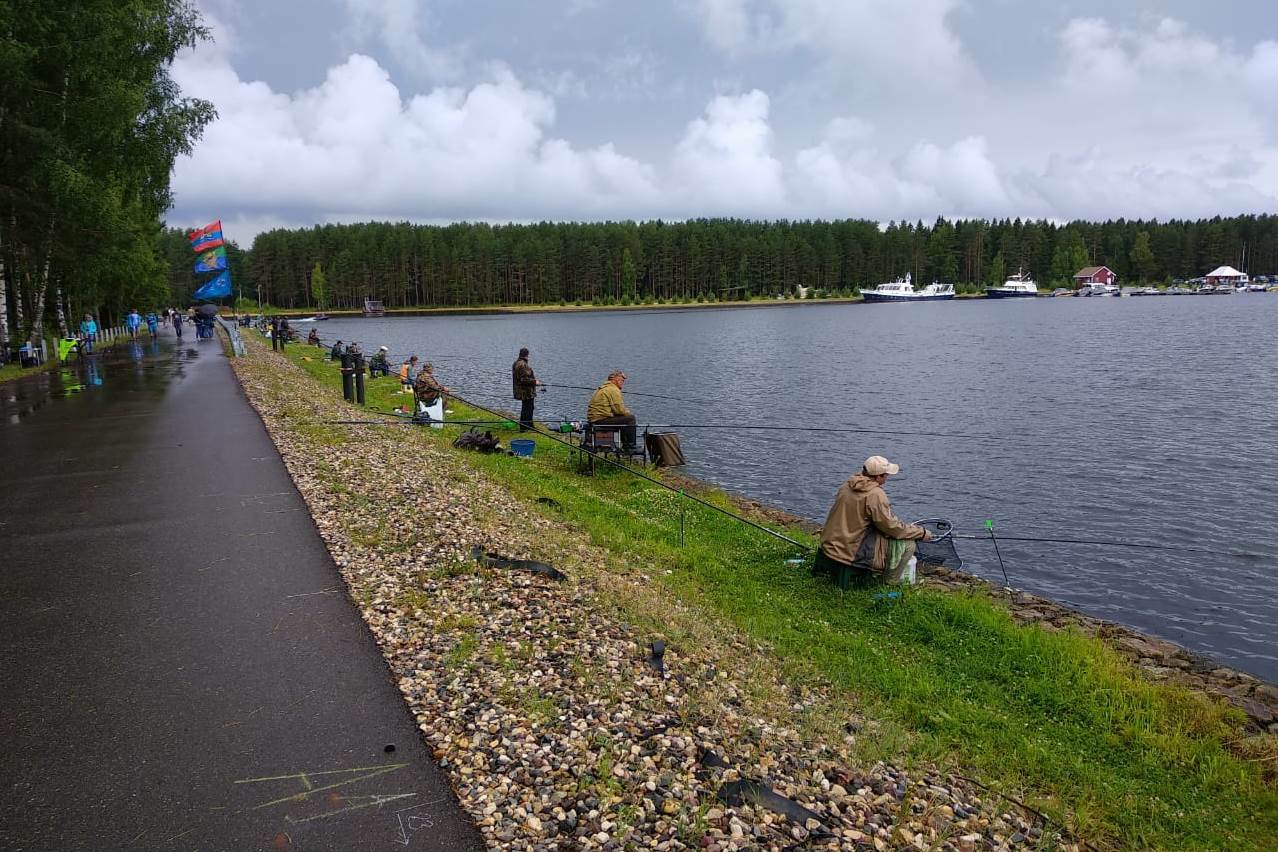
4, 306
62, 314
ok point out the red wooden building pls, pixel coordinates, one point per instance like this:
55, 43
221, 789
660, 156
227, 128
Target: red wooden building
1095, 275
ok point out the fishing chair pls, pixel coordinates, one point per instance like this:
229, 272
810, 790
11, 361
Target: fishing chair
606, 441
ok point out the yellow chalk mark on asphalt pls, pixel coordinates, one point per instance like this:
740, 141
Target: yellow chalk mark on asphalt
304, 778
376, 800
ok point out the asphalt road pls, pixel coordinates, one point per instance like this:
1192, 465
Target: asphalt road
180, 667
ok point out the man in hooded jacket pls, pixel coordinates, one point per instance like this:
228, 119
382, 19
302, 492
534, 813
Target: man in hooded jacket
858, 535
525, 382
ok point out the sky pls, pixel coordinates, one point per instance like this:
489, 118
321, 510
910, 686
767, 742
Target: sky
437, 111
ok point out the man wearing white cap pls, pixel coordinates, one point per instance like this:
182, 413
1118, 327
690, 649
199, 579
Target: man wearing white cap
862, 537
379, 366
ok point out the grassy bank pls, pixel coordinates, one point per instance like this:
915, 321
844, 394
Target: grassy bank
1057, 720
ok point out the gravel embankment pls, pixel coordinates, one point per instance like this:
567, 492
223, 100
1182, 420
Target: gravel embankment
538, 696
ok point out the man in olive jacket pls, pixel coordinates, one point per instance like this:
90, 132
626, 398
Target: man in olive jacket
526, 385
607, 408
858, 531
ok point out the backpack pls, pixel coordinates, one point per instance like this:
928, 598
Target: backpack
473, 440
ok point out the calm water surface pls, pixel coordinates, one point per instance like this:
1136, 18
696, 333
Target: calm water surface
1149, 420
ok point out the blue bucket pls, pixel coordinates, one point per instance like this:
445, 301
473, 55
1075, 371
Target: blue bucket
522, 447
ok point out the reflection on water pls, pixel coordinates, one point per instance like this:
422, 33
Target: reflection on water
1140, 420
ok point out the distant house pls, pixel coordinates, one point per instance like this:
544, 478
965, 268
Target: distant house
1226, 275
1094, 275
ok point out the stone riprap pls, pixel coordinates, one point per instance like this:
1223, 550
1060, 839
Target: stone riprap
538, 697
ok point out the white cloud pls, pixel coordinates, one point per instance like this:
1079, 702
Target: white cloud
1152, 122
724, 163
867, 44
399, 24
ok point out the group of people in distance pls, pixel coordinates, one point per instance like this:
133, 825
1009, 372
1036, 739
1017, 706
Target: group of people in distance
88, 331
862, 536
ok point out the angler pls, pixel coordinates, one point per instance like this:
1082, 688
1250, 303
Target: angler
862, 538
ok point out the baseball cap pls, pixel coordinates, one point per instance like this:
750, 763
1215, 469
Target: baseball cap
876, 465
382, 348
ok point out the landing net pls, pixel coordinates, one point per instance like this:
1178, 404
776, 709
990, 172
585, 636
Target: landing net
940, 550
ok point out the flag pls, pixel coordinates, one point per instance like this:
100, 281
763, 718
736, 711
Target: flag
210, 236
211, 260
215, 288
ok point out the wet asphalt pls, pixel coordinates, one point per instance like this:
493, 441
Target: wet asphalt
180, 666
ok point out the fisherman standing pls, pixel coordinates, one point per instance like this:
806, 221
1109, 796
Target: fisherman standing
607, 408
862, 536
526, 385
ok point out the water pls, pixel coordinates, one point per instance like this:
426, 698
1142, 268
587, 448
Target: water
1147, 420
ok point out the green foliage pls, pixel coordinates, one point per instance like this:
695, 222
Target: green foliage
90, 125
634, 262
1143, 264
319, 287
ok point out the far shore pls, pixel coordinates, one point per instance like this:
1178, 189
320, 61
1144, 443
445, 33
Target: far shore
465, 310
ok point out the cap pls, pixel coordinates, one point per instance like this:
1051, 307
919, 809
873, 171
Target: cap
428, 366
876, 465
382, 348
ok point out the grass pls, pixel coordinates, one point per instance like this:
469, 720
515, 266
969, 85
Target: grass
1058, 720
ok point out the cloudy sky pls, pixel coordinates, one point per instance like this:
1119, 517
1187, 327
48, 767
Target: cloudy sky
508, 110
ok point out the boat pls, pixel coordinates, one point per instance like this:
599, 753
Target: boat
320, 316
1096, 289
1147, 291
374, 308
1178, 290
902, 290
1019, 286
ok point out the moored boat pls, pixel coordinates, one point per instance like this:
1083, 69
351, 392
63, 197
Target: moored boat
1018, 286
902, 290
374, 308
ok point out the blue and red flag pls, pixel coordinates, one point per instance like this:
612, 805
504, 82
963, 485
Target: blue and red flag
211, 260
210, 236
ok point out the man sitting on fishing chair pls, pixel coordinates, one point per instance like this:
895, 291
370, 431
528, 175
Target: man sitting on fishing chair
427, 391
607, 408
862, 539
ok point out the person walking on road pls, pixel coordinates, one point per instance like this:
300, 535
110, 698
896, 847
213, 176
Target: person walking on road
526, 385
153, 324
133, 322
177, 324
88, 333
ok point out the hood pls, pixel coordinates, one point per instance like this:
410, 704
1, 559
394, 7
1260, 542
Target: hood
862, 483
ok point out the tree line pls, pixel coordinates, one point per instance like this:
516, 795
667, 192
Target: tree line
90, 125
476, 264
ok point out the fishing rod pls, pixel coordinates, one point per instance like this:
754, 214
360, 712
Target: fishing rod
824, 429
634, 393
654, 481
1114, 543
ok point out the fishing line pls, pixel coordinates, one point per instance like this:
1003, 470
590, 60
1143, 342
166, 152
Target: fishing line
1113, 543
654, 481
636, 393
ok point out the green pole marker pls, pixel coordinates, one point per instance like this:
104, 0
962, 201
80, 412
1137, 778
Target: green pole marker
989, 525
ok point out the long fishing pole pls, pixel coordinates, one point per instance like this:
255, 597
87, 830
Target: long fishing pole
654, 481
1114, 543
635, 393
